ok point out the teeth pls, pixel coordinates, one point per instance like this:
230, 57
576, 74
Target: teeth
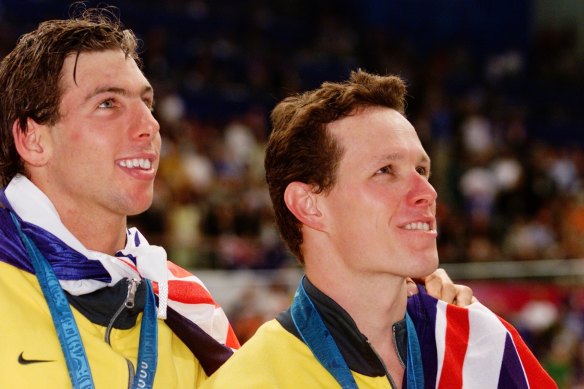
136, 162
418, 226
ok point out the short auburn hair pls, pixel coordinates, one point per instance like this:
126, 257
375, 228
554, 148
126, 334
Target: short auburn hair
300, 148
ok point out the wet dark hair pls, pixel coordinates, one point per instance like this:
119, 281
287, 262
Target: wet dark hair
30, 74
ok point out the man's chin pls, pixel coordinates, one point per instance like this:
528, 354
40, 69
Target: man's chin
138, 208
426, 267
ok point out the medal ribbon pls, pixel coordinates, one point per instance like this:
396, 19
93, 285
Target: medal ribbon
319, 340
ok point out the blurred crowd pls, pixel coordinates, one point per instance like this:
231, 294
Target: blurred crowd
495, 92
498, 109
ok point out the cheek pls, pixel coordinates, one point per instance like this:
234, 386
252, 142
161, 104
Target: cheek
387, 201
95, 143
72, 139
84, 150
158, 139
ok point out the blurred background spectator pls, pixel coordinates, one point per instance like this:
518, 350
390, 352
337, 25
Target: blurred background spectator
496, 93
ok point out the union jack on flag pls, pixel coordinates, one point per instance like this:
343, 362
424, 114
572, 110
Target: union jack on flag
472, 348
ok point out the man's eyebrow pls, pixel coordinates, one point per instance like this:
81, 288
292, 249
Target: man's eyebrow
425, 159
399, 156
391, 157
146, 90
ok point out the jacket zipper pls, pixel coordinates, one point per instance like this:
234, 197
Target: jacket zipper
389, 377
393, 337
128, 303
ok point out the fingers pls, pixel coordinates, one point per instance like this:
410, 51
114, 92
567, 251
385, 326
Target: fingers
411, 287
464, 296
440, 286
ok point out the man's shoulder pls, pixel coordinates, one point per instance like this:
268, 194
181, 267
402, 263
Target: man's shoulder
20, 293
270, 357
11, 275
266, 337
12, 250
276, 358
7, 229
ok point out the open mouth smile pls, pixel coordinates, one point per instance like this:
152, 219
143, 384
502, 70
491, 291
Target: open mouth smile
141, 163
420, 226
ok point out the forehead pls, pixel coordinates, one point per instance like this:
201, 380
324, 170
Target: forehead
377, 134
86, 69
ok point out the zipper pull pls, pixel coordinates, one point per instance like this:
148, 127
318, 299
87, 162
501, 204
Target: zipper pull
132, 286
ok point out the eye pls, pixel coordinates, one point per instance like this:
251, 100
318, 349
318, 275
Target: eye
385, 170
423, 171
150, 104
109, 103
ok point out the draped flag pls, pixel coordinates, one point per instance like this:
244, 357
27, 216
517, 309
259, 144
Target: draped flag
193, 314
472, 348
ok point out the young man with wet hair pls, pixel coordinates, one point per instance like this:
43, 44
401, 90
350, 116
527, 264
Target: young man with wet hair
83, 295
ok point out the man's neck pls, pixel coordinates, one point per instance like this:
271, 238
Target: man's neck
374, 302
105, 236
378, 300
95, 228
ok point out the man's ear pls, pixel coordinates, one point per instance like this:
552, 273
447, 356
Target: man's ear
302, 202
33, 145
